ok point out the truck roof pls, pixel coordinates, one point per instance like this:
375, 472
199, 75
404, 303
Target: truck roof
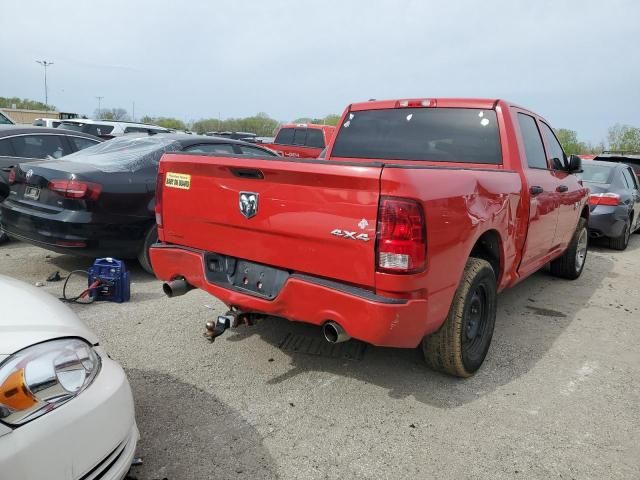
317, 126
486, 103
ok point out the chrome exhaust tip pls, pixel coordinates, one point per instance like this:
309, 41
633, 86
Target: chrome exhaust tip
176, 287
334, 333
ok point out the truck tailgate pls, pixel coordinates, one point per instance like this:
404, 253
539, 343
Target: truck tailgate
312, 217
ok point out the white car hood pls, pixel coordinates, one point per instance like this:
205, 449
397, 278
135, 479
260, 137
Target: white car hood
29, 316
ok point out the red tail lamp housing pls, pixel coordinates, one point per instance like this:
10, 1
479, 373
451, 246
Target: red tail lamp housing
610, 199
75, 189
11, 179
401, 242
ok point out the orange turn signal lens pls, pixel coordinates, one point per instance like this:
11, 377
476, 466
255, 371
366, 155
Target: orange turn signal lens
15, 394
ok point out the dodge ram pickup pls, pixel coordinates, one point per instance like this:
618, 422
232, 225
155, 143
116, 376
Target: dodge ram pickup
301, 140
422, 211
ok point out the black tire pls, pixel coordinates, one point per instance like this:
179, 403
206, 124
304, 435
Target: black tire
571, 263
143, 257
621, 242
461, 344
4, 238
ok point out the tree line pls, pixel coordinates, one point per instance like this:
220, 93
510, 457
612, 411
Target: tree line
619, 137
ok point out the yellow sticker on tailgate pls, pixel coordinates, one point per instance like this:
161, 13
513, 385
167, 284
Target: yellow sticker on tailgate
178, 180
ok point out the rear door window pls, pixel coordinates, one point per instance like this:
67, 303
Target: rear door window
6, 150
630, 178
533, 147
39, 146
300, 136
285, 136
315, 138
223, 148
80, 143
253, 152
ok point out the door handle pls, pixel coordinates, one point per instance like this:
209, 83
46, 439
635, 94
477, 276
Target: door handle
536, 190
562, 189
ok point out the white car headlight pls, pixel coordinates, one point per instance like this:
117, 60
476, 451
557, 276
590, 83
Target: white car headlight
40, 378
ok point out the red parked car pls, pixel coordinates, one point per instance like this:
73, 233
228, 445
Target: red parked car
301, 140
423, 210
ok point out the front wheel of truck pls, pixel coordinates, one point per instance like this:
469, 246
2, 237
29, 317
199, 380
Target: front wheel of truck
461, 344
571, 263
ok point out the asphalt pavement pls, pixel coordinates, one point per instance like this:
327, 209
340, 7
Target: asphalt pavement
557, 397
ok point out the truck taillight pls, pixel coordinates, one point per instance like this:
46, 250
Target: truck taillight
416, 102
75, 189
401, 236
610, 199
11, 179
158, 207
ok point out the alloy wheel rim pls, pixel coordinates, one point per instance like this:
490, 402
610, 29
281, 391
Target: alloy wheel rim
581, 250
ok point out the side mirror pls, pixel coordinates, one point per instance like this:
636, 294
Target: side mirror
575, 164
4, 189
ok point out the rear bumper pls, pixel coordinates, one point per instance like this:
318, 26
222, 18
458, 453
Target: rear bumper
605, 221
365, 316
75, 232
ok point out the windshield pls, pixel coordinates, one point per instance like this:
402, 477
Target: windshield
595, 173
430, 134
125, 154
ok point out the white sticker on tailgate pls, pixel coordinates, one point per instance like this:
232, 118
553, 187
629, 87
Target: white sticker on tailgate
178, 180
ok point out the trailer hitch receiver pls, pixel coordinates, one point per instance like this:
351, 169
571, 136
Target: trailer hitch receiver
220, 325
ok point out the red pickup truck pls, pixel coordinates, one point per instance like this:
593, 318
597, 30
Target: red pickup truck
301, 140
423, 210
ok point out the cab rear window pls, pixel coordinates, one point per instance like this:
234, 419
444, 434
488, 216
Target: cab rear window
285, 136
431, 134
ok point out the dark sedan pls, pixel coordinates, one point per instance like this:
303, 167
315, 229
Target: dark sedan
614, 201
100, 202
21, 143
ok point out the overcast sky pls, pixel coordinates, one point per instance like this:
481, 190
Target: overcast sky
577, 63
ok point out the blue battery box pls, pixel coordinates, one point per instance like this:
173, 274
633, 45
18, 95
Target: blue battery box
113, 278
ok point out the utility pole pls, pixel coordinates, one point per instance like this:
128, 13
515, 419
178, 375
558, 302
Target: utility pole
99, 111
45, 64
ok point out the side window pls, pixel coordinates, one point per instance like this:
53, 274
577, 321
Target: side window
5, 120
285, 136
315, 138
555, 149
6, 150
253, 152
136, 130
223, 148
629, 177
532, 142
39, 146
299, 137
81, 143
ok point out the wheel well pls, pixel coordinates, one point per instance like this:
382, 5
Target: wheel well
487, 247
585, 213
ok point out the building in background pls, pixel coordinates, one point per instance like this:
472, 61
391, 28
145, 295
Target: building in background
24, 116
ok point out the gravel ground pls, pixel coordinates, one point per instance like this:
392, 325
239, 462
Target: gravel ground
558, 396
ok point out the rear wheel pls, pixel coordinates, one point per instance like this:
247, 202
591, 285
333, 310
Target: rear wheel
621, 242
571, 263
143, 257
461, 344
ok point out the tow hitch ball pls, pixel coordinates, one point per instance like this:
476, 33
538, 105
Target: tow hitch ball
220, 325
